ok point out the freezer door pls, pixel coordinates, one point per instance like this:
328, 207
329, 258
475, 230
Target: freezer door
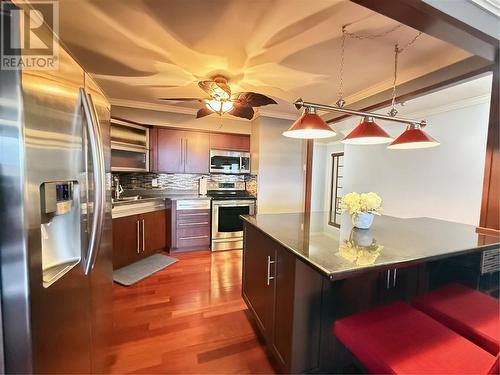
53, 129
101, 275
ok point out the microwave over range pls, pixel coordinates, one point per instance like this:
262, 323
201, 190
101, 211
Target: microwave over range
229, 162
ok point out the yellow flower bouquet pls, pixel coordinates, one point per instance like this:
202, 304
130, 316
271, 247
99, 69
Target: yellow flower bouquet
362, 207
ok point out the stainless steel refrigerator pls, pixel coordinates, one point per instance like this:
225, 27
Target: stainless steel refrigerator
55, 222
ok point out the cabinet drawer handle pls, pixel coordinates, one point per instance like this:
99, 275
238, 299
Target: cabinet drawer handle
143, 241
388, 281
192, 237
202, 214
138, 236
394, 278
269, 262
193, 224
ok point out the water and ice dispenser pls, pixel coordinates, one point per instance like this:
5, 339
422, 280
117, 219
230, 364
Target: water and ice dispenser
60, 229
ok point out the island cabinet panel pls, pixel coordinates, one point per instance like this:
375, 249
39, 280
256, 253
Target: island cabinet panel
399, 284
284, 296
258, 287
233, 142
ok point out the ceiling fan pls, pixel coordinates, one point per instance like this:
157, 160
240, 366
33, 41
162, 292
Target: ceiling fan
221, 100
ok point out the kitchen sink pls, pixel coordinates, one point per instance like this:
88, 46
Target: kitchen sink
127, 199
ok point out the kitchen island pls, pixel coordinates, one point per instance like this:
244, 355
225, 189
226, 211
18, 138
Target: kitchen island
300, 274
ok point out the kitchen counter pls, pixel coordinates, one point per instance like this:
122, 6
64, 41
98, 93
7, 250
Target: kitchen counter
151, 200
391, 242
135, 207
300, 274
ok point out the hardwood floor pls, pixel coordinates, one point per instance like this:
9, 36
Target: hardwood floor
188, 318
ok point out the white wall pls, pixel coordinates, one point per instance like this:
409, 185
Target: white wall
280, 180
444, 182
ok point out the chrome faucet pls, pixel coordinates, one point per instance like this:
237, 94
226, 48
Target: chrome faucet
118, 190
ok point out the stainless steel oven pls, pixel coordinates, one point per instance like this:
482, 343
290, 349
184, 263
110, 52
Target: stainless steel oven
227, 227
229, 162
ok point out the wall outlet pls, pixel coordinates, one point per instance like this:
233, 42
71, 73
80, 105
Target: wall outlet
154, 182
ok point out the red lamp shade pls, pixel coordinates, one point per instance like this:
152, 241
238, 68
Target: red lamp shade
413, 137
309, 126
367, 133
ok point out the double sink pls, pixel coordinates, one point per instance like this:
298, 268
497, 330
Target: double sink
136, 204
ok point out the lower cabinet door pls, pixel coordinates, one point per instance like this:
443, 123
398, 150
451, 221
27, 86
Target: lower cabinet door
284, 306
258, 281
126, 240
154, 232
399, 284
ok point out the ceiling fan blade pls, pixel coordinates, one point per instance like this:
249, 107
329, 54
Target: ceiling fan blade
216, 89
253, 99
203, 112
182, 99
242, 111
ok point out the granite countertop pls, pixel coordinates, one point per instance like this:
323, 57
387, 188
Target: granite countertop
165, 194
390, 243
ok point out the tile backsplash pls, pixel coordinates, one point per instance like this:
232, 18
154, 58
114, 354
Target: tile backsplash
180, 181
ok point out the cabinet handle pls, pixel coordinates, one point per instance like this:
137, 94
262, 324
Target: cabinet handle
193, 224
394, 278
186, 152
203, 214
138, 236
269, 262
192, 237
143, 241
388, 283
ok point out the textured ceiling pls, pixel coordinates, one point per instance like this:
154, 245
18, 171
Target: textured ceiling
140, 50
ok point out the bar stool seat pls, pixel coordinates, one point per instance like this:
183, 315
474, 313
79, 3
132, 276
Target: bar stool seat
399, 339
468, 312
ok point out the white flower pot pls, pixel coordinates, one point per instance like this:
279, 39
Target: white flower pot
363, 220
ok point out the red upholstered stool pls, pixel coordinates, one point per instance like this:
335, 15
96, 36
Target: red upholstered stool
468, 312
399, 339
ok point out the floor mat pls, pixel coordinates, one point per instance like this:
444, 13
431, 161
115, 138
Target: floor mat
141, 269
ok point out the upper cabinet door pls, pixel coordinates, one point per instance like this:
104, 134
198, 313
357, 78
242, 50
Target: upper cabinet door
170, 151
196, 152
235, 142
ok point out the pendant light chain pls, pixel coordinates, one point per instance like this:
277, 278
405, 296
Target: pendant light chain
345, 34
341, 102
397, 50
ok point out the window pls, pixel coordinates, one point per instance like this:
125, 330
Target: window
336, 188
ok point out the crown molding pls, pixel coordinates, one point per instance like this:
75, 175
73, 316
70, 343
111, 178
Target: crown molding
262, 112
192, 111
459, 104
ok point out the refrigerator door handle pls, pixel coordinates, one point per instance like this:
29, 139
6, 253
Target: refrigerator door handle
95, 142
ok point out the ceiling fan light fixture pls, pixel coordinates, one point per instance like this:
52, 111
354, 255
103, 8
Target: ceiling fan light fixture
413, 138
309, 126
368, 132
219, 106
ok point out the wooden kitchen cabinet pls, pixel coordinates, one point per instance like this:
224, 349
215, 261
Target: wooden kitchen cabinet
126, 240
258, 288
179, 151
169, 151
190, 227
138, 236
154, 231
283, 295
234, 142
197, 152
